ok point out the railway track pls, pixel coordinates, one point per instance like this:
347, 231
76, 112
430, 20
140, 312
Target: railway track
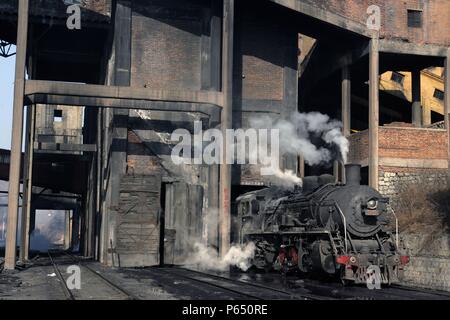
239, 289
106, 288
193, 284
317, 290
292, 294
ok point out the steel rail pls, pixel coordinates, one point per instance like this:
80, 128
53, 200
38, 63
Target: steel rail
240, 293
129, 295
66, 289
259, 286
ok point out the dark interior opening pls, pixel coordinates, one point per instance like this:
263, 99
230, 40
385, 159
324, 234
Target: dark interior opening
365, 176
162, 224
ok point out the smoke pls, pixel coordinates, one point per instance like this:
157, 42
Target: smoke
206, 258
314, 136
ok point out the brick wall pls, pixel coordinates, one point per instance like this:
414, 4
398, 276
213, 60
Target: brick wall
359, 147
436, 17
414, 143
426, 147
407, 156
168, 57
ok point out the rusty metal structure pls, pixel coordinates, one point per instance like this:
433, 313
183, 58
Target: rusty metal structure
101, 101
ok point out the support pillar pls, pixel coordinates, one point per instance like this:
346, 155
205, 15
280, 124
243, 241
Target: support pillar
227, 111
346, 97
16, 140
416, 98
374, 86
27, 184
301, 167
447, 97
67, 229
118, 148
426, 116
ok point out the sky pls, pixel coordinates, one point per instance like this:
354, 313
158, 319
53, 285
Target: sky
7, 66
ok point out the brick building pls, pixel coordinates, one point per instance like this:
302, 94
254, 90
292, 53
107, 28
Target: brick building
141, 69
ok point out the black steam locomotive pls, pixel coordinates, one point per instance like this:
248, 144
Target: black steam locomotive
342, 230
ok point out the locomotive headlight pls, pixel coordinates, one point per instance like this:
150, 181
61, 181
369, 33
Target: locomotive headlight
372, 204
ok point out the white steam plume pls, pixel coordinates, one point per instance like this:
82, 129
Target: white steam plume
206, 258
296, 135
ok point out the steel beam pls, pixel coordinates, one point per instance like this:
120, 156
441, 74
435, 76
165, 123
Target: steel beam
374, 106
16, 140
227, 112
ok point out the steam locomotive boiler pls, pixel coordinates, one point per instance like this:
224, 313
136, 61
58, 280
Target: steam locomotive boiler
342, 230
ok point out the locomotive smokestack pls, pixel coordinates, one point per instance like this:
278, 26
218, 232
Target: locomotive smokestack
353, 174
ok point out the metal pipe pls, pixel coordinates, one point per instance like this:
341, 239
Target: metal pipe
16, 140
396, 226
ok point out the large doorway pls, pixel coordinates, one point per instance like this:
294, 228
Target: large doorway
53, 230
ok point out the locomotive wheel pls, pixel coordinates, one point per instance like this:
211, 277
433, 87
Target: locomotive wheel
264, 255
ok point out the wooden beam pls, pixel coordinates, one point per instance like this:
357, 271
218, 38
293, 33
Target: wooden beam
16, 141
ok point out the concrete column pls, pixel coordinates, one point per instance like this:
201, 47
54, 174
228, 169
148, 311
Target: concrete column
67, 231
447, 96
16, 141
374, 86
416, 98
426, 116
27, 183
227, 112
301, 167
118, 148
346, 97
75, 228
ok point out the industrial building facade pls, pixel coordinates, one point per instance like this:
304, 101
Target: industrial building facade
103, 100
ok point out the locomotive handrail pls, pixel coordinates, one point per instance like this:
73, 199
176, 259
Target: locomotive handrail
396, 225
345, 224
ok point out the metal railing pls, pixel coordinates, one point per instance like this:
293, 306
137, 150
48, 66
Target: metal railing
344, 221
